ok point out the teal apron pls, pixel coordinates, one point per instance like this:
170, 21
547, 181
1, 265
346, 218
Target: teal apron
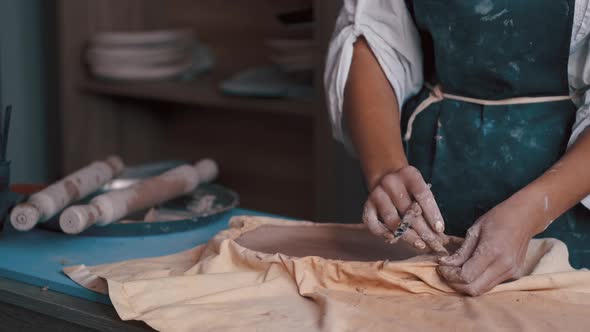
477, 156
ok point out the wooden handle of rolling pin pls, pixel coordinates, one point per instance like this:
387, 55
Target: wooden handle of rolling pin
43, 205
113, 206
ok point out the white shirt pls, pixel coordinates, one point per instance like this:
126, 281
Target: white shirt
392, 36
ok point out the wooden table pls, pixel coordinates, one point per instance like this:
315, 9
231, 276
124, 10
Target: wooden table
29, 308
36, 259
26, 307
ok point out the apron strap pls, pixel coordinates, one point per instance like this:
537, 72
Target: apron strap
437, 95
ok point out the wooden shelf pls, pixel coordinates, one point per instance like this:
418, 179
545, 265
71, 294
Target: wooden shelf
245, 135
201, 92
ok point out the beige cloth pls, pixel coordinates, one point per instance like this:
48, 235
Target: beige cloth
239, 281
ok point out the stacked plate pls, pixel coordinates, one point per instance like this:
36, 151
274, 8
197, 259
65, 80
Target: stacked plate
266, 82
293, 55
147, 55
295, 51
290, 75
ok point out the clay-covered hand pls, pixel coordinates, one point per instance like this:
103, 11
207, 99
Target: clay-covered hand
391, 199
493, 252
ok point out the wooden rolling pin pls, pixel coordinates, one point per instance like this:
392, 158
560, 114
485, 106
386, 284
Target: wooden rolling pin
115, 205
43, 205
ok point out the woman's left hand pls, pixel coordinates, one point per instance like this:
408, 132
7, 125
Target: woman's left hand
493, 251
496, 245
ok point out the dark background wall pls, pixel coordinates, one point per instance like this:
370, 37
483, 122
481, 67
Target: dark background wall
29, 84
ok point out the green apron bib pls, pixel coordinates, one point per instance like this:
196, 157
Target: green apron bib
477, 156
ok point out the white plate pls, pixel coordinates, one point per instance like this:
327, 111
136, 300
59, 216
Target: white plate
100, 56
143, 38
138, 72
201, 60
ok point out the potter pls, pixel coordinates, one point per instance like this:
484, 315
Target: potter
477, 112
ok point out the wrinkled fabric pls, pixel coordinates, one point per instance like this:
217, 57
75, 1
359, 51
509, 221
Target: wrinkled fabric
225, 285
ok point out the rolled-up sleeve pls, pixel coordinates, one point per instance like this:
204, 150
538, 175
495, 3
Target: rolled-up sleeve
579, 71
391, 34
582, 123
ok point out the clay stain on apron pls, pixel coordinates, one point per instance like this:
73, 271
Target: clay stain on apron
517, 133
484, 7
491, 18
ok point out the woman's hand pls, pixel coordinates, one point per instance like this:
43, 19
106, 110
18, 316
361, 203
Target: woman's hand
493, 251
372, 114
495, 247
392, 198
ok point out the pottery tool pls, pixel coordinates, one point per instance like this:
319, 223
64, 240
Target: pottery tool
43, 205
115, 205
4, 130
1, 104
4, 118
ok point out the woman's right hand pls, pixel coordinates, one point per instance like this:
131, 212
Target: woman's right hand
372, 114
392, 198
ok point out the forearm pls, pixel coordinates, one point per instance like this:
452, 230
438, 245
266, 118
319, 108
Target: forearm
372, 112
560, 188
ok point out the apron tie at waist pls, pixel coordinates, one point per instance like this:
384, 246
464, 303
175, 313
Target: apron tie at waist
437, 95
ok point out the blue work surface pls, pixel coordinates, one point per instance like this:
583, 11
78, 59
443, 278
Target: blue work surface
38, 257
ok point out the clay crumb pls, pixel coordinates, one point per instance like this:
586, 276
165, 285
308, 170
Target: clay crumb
45, 288
414, 211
